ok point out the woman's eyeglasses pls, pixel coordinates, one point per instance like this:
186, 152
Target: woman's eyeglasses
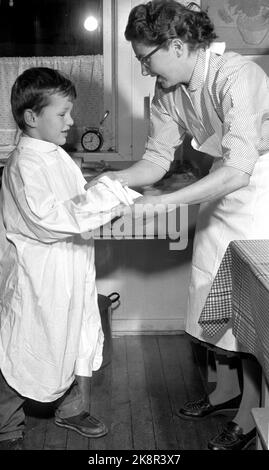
145, 60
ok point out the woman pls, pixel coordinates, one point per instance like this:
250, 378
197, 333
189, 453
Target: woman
222, 100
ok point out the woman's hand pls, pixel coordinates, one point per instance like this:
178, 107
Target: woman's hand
143, 207
139, 216
149, 200
146, 207
113, 175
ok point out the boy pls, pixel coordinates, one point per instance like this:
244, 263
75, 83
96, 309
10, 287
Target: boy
50, 331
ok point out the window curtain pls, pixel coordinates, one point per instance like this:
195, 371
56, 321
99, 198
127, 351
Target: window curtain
86, 72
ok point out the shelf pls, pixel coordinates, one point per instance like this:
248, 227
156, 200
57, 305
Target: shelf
96, 156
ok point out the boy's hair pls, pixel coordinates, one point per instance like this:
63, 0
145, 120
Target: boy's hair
33, 88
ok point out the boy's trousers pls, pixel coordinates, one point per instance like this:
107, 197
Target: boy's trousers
12, 416
11, 412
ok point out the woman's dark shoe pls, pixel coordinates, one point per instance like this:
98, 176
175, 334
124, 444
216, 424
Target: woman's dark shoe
202, 408
232, 438
84, 424
12, 444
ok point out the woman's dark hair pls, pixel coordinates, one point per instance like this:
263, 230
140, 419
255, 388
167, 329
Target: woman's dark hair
157, 21
33, 88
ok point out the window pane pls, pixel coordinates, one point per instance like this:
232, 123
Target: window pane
51, 33
49, 27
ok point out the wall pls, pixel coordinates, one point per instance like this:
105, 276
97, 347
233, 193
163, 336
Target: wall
262, 61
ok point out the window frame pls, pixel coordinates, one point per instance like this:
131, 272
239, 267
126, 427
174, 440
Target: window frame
117, 55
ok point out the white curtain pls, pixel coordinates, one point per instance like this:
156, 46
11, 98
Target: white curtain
86, 72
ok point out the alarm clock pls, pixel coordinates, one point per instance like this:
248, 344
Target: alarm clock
92, 139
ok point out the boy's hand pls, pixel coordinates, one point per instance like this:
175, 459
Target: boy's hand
120, 211
144, 208
113, 175
143, 211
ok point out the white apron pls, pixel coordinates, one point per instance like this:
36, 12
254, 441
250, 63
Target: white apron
240, 215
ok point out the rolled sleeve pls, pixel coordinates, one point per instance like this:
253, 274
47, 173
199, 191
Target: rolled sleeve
245, 103
166, 132
43, 216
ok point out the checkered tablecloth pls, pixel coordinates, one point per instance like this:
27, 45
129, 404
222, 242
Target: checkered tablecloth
218, 307
241, 292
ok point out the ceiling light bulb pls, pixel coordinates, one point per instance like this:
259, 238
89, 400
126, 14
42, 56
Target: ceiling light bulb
91, 23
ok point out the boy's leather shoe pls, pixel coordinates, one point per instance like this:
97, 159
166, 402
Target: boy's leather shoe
12, 444
202, 408
232, 438
84, 424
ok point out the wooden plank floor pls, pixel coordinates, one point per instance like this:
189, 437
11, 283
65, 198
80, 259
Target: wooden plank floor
137, 396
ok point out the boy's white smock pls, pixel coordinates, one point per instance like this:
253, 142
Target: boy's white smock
50, 326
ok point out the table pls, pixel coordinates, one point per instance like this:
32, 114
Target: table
240, 294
